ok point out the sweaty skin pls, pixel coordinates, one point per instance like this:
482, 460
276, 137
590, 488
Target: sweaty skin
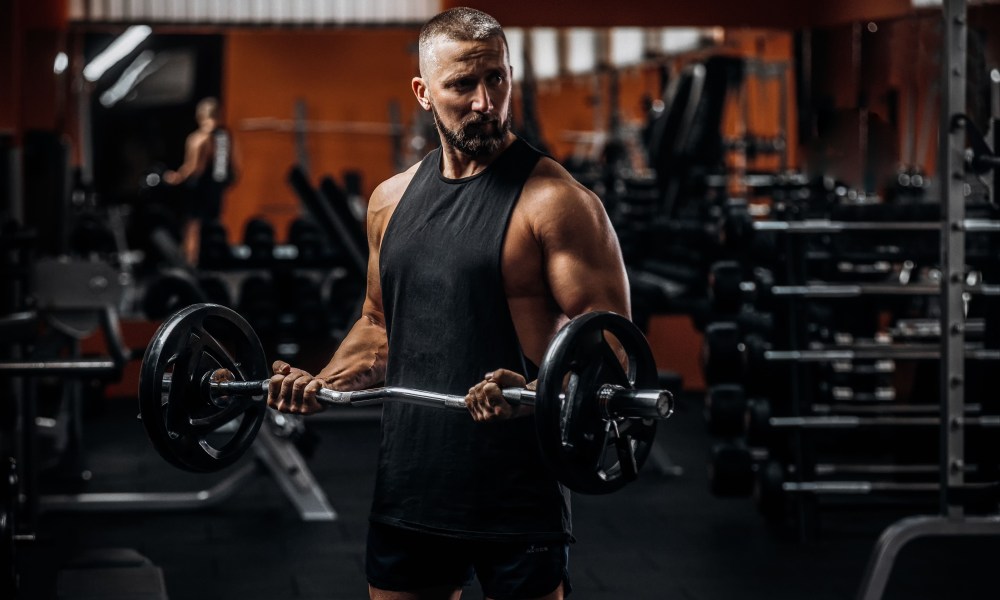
560, 257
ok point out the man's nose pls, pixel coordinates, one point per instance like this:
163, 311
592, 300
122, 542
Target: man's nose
482, 102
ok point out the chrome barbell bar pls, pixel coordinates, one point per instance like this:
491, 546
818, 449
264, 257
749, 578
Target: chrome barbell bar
615, 401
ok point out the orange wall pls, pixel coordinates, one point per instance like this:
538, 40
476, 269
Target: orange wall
347, 75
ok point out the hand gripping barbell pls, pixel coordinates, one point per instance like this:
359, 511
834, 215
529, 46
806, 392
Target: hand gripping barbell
594, 418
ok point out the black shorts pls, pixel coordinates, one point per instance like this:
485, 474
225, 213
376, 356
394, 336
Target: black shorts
401, 560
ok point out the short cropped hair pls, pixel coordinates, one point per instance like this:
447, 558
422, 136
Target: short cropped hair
207, 108
460, 24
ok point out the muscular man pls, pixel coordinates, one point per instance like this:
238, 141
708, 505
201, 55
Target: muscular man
478, 255
208, 171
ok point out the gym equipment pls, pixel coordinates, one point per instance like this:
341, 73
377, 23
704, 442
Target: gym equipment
336, 228
819, 290
308, 240
737, 470
870, 351
110, 573
603, 406
761, 425
169, 290
725, 407
307, 308
274, 451
258, 237
259, 300
731, 293
952, 168
731, 357
173, 286
773, 487
353, 224
213, 249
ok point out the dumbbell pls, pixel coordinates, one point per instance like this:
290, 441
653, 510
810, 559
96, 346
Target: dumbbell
308, 240
259, 301
214, 251
258, 238
775, 485
762, 425
729, 289
736, 470
728, 356
727, 408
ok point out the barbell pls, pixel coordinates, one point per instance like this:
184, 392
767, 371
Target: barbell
595, 418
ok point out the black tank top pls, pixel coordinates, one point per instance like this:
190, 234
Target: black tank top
448, 324
209, 186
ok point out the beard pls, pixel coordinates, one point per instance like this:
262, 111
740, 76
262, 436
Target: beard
473, 137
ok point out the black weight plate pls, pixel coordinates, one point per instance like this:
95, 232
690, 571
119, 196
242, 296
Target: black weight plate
183, 423
589, 453
170, 291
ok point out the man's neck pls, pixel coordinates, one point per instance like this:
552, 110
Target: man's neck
456, 164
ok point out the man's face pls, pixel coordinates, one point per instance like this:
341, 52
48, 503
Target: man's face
468, 91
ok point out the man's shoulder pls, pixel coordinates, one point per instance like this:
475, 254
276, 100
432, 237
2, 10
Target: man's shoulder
391, 190
553, 202
551, 182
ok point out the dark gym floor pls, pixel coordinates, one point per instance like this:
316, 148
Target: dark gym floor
662, 537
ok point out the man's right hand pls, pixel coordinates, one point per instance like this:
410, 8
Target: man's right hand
293, 390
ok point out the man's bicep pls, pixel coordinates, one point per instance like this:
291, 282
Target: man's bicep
584, 263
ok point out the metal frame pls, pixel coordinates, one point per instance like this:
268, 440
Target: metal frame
951, 172
277, 454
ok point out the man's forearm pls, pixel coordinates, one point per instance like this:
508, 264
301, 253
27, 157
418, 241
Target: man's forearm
359, 362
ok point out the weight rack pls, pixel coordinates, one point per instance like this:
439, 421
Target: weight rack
951, 521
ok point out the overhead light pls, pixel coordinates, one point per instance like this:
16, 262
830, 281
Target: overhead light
62, 61
134, 73
119, 49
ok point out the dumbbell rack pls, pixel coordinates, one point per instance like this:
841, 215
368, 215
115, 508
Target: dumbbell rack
952, 350
951, 521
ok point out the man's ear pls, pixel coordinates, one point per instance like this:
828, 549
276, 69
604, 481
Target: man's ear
422, 92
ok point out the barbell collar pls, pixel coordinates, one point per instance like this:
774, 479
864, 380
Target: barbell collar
617, 401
